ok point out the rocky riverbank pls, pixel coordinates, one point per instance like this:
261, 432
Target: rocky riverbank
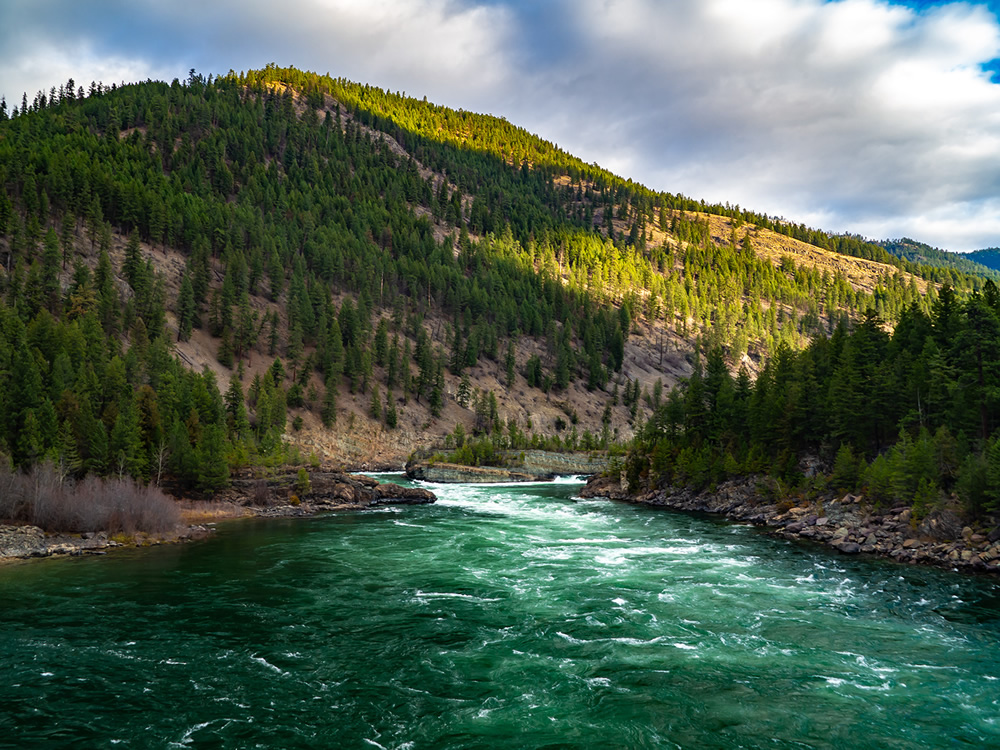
280, 495
24, 542
847, 524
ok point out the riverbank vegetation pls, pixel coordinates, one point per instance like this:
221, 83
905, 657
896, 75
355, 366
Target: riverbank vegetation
908, 417
41, 496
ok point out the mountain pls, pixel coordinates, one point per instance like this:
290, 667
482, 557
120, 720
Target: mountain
990, 257
205, 276
967, 263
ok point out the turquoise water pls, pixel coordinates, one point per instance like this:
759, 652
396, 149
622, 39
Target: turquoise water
500, 617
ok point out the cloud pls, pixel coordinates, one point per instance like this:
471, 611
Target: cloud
861, 115
854, 115
451, 48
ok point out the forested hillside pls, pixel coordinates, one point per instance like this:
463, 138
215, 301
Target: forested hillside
919, 252
909, 417
196, 275
990, 257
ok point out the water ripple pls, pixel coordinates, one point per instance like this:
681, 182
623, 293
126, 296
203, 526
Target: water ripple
499, 617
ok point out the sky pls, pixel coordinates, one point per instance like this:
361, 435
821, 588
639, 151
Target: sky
863, 116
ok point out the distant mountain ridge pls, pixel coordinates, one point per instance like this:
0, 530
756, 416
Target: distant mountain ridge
989, 257
985, 263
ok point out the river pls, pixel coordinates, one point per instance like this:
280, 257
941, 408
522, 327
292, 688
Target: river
500, 617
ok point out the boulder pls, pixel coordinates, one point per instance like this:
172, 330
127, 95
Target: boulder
389, 493
942, 525
22, 541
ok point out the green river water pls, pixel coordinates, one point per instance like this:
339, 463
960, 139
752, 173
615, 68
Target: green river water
500, 617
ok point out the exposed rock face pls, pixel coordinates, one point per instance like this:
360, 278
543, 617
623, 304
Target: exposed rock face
22, 541
456, 473
845, 524
525, 466
550, 462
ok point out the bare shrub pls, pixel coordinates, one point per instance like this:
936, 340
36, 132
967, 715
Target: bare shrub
44, 498
47, 503
262, 497
11, 500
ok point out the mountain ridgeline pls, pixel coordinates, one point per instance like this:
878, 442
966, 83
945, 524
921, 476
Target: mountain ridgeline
220, 273
989, 257
978, 263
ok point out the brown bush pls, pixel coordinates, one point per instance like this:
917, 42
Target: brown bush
43, 497
261, 494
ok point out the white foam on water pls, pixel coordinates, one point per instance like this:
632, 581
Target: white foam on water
452, 595
264, 662
186, 740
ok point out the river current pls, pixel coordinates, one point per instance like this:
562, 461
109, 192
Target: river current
500, 617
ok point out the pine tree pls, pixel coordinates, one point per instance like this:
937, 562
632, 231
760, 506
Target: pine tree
391, 417
213, 470
328, 413
133, 259
225, 352
436, 398
186, 309
51, 258
464, 392
381, 342
295, 348
236, 414
405, 377
510, 362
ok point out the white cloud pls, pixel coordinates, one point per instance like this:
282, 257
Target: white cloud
855, 115
49, 65
866, 115
435, 47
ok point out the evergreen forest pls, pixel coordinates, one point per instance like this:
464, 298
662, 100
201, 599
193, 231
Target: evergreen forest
331, 244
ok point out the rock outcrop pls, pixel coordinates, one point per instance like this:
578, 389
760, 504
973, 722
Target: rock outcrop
456, 473
289, 494
522, 466
22, 541
554, 463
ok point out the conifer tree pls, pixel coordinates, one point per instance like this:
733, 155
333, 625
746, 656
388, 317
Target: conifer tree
186, 309
391, 416
510, 363
328, 413
133, 259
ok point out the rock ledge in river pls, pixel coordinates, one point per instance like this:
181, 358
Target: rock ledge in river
455, 473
